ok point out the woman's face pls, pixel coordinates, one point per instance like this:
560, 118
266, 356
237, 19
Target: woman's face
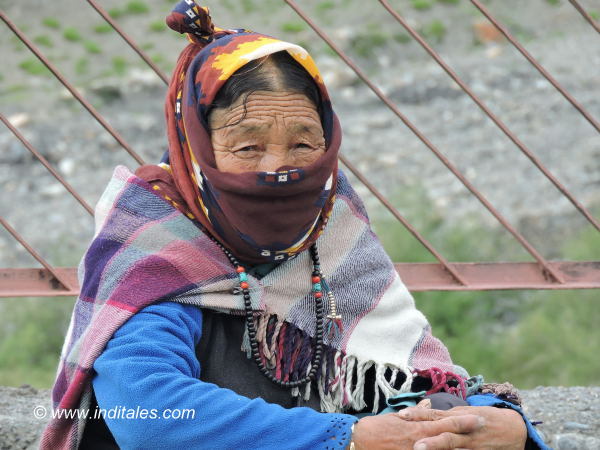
272, 130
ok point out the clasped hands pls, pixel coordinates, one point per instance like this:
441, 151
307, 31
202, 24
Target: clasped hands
423, 428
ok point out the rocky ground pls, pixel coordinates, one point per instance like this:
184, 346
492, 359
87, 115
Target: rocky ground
570, 416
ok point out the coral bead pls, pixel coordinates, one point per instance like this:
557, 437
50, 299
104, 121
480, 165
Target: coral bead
316, 279
240, 269
318, 294
244, 285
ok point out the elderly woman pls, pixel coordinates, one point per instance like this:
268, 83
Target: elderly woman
234, 295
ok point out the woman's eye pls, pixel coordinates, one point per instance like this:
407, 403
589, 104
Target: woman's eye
247, 152
303, 146
248, 148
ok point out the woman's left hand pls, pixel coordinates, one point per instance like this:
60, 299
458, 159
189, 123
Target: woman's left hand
504, 428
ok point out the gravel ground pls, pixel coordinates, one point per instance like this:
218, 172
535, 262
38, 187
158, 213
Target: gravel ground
570, 416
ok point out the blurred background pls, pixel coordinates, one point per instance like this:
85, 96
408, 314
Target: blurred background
530, 338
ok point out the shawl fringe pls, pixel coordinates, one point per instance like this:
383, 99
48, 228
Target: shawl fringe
287, 351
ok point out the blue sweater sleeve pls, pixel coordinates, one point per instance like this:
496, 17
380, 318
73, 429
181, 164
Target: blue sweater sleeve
150, 364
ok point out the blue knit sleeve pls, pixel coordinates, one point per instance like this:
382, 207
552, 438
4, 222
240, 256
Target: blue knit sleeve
491, 400
149, 364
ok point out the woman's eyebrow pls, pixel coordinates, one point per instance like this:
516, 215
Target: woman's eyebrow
248, 128
304, 128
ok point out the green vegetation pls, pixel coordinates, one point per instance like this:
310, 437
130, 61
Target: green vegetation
421, 4
147, 46
18, 46
103, 28
157, 26
403, 38
44, 41
248, 6
553, 2
115, 13
15, 93
30, 342
293, 27
82, 66
594, 14
435, 30
550, 341
157, 58
119, 65
51, 22
449, 2
33, 66
368, 41
72, 34
92, 47
325, 5
136, 7
15, 88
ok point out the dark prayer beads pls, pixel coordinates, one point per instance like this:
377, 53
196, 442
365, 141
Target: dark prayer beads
251, 327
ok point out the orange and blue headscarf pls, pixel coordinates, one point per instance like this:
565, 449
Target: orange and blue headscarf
259, 216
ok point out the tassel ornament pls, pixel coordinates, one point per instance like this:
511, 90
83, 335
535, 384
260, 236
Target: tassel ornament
334, 325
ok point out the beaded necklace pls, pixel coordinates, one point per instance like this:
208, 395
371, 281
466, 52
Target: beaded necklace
318, 286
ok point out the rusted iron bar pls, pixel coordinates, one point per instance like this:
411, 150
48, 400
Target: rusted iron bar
491, 115
545, 266
47, 165
58, 278
416, 276
585, 15
37, 282
127, 39
403, 221
537, 65
500, 276
87, 105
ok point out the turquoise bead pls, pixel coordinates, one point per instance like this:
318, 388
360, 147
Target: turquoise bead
243, 276
317, 287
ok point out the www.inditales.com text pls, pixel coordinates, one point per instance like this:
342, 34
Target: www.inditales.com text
116, 412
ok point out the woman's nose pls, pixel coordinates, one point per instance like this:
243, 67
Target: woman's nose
274, 157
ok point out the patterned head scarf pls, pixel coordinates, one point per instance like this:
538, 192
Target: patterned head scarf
259, 216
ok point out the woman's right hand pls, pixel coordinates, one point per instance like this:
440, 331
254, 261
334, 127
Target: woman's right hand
390, 431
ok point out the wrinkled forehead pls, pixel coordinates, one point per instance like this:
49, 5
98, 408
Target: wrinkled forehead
265, 110
217, 62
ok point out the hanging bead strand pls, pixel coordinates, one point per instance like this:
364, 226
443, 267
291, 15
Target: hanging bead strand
251, 326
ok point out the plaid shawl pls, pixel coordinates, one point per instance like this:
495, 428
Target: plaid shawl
146, 251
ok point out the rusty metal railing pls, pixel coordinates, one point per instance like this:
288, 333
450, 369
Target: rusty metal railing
443, 275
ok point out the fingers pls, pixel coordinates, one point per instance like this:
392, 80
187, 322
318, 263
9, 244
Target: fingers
444, 441
425, 403
419, 413
465, 424
468, 423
